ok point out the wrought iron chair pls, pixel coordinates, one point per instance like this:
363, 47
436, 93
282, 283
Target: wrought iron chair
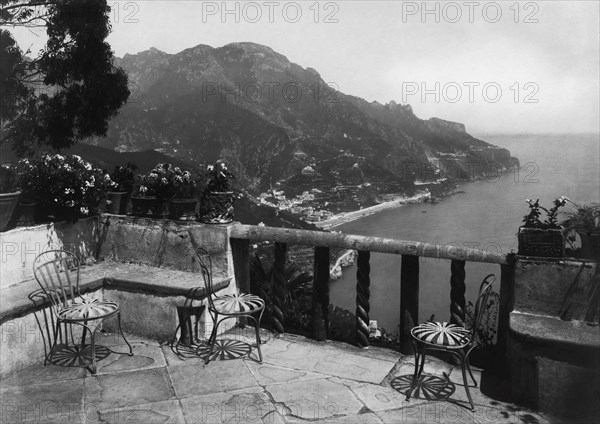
57, 273
452, 338
228, 306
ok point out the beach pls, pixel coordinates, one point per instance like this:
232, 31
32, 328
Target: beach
344, 218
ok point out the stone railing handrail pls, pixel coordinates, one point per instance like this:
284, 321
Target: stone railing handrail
241, 236
367, 243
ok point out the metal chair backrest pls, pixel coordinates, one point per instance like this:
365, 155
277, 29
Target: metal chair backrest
57, 273
485, 289
205, 262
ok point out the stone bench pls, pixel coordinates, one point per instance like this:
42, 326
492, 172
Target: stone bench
148, 266
148, 298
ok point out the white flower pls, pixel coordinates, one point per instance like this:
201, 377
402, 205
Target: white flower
78, 158
210, 168
87, 166
261, 224
84, 210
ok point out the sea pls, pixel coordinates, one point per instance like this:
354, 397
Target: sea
486, 215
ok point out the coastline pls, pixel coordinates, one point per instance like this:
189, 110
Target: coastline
346, 217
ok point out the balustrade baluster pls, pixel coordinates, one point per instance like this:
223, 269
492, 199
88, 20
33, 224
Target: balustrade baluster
457, 292
363, 281
320, 306
505, 306
240, 251
409, 300
279, 283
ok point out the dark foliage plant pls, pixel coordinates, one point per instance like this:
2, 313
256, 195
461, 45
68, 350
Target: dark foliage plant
298, 290
218, 177
533, 218
58, 181
123, 177
72, 89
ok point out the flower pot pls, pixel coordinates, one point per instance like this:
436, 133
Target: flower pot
64, 213
548, 243
146, 206
117, 202
216, 207
182, 209
8, 203
26, 214
590, 245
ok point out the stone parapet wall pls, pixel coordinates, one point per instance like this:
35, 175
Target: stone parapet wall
20, 246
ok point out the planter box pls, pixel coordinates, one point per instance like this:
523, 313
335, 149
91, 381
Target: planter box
590, 245
8, 203
549, 243
118, 202
183, 209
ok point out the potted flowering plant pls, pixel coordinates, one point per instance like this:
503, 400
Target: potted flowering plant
152, 190
539, 237
122, 180
185, 195
9, 194
63, 187
584, 220
216, 202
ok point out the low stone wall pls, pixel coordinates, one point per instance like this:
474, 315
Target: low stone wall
147, 266
163, 243
20, 246
554, 354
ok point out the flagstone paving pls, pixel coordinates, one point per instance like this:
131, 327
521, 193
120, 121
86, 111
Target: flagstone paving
299, 381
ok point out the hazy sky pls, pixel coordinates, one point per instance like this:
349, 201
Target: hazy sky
502, 66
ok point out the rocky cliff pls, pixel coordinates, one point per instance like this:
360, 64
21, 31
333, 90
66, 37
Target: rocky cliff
270, 118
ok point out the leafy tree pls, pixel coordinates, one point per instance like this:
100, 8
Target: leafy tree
71, 89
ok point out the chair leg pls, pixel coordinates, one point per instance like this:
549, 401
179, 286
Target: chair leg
83, 334
469, 369
463, 362
93, 343
415, 378
257, 329
123, 335
422, 362
212, 340
56, 331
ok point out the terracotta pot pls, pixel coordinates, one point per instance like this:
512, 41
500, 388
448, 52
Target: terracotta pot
64, 213
590, 245
216, 207
118, 202
548, 243
182, 209
8, 203
26, 214
146, 206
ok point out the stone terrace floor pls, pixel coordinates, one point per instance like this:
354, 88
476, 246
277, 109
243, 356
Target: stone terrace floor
299, 381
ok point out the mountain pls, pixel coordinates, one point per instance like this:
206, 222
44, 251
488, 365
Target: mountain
278, 124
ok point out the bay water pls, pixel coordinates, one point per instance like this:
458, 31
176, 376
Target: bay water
485, 216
